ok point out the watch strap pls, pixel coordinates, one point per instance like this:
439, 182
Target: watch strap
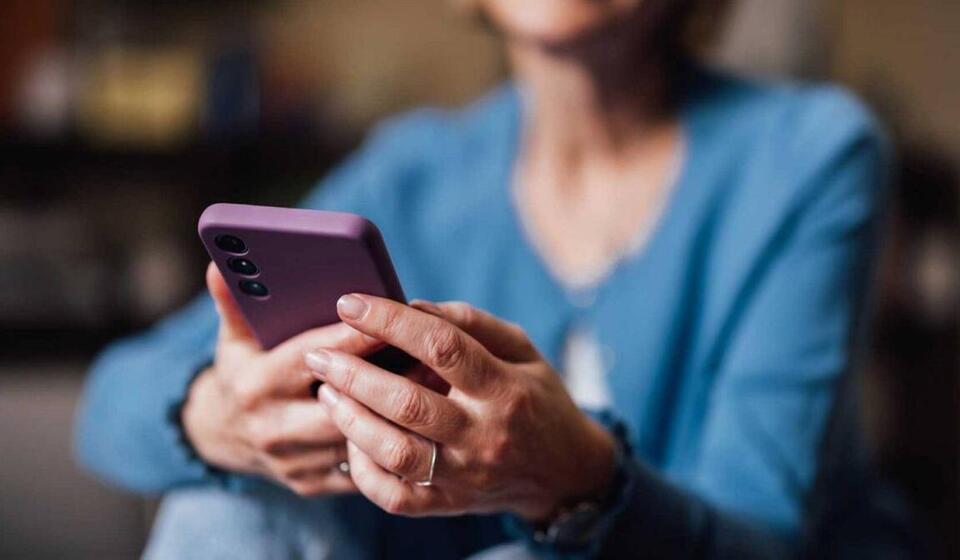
579, 530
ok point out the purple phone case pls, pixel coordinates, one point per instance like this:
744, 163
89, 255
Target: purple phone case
307, 259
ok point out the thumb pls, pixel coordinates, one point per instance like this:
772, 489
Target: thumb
233, 325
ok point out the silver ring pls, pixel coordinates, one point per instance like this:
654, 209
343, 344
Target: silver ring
433, 465
343, 467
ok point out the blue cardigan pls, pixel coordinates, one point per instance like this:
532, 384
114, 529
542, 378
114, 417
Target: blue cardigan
726, 335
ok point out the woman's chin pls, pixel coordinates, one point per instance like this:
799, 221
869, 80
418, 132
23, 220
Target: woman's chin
542, 22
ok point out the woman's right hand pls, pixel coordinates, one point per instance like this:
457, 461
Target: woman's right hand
253, 411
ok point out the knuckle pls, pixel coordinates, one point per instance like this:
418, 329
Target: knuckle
411, 408
496, 451
541, 379
248, 392
459, 424
390, 320
347, 376
445, 348
401, 457
518, 333
536, 377
463, 312
518, 403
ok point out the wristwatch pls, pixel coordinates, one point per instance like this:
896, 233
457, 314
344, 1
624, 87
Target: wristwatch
580, 525
573, 527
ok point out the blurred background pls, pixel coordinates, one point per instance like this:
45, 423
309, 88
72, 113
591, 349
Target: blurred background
121, 119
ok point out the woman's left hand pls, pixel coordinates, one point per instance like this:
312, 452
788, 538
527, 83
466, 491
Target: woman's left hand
508, 435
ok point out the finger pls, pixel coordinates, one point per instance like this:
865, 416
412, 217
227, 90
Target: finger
294, 450
394, 397
233, 325
288, 424
390, 493
338, 336
286, 373
308, 464
455, 356
321, 483
503, 339
393, 448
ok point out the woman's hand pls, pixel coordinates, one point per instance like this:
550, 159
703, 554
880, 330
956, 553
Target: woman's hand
509, 437
254, 412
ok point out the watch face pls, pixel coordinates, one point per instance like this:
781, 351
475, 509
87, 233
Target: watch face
575, 527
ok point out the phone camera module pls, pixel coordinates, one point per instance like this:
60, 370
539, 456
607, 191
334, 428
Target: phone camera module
253, 288
230, 244
243, 266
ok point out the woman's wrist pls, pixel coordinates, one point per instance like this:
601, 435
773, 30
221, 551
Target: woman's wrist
596, 470
192, 413
192, 420
206, 426
589, 475
198, 422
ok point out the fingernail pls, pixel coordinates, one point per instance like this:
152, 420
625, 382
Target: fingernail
351, 307
318, 361
328, 394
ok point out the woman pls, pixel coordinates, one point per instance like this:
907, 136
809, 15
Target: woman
680, 253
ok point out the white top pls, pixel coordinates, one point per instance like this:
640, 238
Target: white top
585, 370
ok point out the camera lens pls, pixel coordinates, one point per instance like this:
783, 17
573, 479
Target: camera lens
253, 288
242, 266
230, 244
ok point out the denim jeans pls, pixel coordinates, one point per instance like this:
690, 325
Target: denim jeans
270, 523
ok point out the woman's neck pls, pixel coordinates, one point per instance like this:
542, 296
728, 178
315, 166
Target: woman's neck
601, 149
593, 105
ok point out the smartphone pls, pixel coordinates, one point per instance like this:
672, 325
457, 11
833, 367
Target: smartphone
287, 268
